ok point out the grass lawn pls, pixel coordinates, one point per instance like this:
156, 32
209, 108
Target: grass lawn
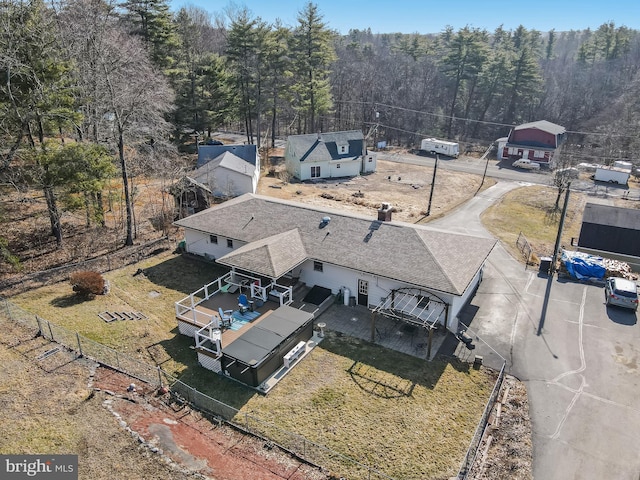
408, 418
405, 417
530, 210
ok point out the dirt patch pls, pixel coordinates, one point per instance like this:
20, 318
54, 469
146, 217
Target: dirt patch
186, 437
406, 187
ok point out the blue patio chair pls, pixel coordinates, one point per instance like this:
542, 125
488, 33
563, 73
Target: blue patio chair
244, 303
225, 317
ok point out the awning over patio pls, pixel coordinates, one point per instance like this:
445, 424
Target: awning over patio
412, 306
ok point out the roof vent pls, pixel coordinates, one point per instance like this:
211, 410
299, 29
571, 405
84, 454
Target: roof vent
325, 221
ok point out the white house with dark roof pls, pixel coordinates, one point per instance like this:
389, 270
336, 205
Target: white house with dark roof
328, 155
406, 271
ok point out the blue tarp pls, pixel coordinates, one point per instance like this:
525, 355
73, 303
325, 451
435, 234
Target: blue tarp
582, 265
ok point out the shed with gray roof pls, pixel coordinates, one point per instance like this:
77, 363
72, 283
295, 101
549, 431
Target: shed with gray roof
228, 170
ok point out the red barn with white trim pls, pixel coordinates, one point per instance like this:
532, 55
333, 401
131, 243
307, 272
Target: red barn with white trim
536, 141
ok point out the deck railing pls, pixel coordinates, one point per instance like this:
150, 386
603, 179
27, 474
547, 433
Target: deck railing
186, 308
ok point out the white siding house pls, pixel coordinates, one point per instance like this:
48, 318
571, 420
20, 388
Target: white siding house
385, 265
328, 155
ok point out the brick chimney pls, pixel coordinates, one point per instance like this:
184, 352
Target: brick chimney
384, 212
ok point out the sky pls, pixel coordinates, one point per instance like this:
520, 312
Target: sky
428, 16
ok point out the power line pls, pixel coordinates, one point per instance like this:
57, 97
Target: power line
483, 122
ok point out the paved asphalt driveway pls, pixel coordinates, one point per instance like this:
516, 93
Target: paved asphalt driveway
581, 372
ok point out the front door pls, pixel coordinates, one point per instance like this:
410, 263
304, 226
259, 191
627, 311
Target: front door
363, 292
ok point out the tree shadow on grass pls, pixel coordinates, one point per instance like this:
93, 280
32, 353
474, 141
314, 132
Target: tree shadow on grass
369, 357
184, 274
71, 300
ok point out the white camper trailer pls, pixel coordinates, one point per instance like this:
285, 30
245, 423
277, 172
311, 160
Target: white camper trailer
433, 146
612, 175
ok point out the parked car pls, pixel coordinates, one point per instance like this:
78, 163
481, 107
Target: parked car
527, 164
621, 293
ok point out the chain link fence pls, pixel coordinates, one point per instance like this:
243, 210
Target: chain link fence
298, 445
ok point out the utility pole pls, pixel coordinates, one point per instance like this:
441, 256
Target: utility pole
486, 165
554, 259
433, 184
556, 248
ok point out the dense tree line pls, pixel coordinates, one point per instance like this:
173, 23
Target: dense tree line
90, 87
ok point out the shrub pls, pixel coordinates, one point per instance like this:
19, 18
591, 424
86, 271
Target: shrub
87, 283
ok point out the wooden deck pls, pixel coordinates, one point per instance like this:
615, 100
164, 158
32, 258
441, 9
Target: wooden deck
228, 301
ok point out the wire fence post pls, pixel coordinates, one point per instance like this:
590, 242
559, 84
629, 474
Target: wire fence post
159, 370
79, 344
50, 330
39, 326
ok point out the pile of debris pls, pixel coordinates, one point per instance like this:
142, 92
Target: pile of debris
584, 266
616, 268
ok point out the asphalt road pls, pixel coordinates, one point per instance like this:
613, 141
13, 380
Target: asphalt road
502, 170
581, 371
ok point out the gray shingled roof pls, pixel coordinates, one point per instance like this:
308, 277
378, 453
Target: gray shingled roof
413, 254
272, 256
309, 148
543, 125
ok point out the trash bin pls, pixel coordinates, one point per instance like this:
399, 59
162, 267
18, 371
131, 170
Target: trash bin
545, 264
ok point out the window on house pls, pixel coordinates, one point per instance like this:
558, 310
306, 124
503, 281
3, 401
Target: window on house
370, 159
343, 149
229, 243
337, 165
315, 172
213, 239
317, 266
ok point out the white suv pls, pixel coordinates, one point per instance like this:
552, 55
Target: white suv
621, 293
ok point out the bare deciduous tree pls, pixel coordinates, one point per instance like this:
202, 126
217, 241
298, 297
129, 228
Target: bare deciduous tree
137, 98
